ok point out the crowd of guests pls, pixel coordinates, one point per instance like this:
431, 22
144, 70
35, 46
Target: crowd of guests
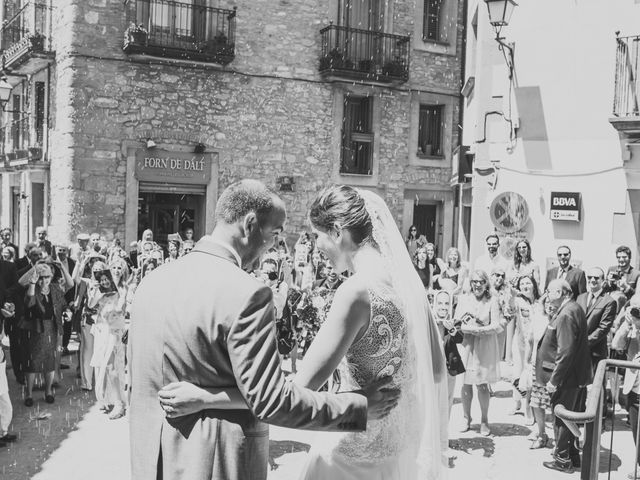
549, 328
55, 291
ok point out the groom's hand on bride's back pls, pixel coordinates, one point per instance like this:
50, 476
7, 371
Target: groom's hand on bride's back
381, 399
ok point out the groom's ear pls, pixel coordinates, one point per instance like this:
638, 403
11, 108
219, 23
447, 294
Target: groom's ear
249, 223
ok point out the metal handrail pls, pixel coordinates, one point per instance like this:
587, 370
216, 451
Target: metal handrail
400, 38
592, 417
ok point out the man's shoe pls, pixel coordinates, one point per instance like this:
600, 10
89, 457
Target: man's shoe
49, 398
9, 437
28, 402
64, 366
553, 465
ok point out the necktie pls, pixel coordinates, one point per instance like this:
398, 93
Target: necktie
592, 299
561, 273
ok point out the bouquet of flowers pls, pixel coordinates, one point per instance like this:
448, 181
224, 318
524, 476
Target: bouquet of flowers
309, 313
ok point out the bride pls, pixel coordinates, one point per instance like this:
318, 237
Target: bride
379, 325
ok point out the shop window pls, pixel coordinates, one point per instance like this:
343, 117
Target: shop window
432, 20
430, 131
357, 136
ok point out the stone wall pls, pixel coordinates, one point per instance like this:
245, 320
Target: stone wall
261, 125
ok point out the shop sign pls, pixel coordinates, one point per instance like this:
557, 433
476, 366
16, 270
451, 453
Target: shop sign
565, 206
173, 167
509, 212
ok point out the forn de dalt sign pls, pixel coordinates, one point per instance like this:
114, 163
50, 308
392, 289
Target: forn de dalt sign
565, 206
173, 167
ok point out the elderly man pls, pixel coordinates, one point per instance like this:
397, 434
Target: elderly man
42, 242
563, 364
565, 271
81, 247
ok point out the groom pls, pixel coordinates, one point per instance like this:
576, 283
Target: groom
205, 321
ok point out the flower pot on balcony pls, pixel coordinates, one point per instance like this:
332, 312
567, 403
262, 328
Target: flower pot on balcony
366, 66
37, 42
394, 68
135, 34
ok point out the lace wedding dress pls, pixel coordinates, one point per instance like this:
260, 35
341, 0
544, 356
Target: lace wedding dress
386, 450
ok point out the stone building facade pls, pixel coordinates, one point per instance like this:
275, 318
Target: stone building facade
248, 89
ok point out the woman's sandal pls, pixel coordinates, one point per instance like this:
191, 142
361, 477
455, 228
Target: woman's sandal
540, 442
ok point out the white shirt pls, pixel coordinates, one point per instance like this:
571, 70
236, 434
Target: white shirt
488, 263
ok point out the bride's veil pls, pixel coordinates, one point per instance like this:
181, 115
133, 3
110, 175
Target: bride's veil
429, 369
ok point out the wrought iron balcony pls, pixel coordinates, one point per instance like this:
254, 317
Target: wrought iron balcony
364, 55
26, 38
627, 88
173, 29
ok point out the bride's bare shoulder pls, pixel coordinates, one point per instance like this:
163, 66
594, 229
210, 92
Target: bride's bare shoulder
353, 290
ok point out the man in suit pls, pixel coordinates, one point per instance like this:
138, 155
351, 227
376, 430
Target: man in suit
62, 255
563, 365
215, 328
6, 241
600, 310
565, 271
627, 275
42, 242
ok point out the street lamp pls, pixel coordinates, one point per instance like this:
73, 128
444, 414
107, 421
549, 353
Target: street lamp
500, 12
5, 94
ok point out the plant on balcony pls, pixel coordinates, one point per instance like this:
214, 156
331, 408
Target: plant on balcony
394, 68
136, 34
335, 59
218, 45
37, 41
366, 65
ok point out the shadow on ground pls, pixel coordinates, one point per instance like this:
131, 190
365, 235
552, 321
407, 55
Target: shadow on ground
473, 443
42, 428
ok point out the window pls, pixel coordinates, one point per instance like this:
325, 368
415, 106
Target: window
357, 136
431, 20
430, 130
16, 123
40, 111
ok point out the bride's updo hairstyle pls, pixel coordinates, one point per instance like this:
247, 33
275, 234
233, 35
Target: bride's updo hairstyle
342, 206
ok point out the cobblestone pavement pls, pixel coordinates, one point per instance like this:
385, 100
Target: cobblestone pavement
79, 442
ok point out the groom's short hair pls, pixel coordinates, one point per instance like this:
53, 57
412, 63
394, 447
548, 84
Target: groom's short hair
242, 197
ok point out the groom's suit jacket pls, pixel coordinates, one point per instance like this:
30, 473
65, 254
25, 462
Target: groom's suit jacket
203, 320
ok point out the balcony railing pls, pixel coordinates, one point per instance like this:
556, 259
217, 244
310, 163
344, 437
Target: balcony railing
26, 33
627, 89
181, 30
364, 54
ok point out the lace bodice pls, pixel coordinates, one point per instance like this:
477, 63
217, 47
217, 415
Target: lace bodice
382, 351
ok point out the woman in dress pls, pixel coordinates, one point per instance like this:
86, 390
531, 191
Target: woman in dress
479, 315
42, 322
110, 302
173, 249
526, 307
523, 264
540, 400
379, 325
414, 241
454, 273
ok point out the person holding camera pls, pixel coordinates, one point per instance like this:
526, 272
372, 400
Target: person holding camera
44, 305
479, 315
627, 275
84, 317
